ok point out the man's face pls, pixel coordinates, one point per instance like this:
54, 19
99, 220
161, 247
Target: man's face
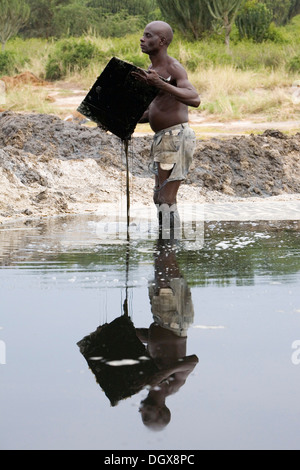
151, 41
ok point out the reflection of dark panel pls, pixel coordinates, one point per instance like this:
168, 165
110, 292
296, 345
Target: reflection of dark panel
117, 341
117, 100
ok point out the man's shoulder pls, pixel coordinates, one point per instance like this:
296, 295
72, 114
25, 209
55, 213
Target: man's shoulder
174, 62
175, 66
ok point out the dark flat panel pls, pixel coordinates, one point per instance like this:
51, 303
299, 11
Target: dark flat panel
117, 100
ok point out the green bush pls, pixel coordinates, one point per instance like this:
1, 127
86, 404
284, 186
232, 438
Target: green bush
137, 59
250, 56
73, 20
294, 64
275, 34
292, 31
7, 63
280, 10
70, 55
253, 21
115, 25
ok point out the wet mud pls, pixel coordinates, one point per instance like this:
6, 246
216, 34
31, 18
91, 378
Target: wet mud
50, 167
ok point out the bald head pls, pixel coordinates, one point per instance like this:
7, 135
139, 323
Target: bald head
163, 30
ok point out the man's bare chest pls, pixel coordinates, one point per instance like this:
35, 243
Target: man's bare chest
165, 74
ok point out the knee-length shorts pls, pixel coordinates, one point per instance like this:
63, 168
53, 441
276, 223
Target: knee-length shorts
173, 148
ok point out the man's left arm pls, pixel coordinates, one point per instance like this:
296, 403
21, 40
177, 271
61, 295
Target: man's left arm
183, 91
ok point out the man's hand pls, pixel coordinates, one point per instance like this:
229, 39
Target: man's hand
183, 91
150, 77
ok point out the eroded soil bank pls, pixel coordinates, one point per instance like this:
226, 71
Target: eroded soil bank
49, 167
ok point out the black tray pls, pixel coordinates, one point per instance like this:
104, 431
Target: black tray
117, 100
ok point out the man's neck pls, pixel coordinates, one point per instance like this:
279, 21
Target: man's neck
158, 59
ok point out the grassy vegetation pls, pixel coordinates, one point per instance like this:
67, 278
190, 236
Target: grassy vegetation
254, 80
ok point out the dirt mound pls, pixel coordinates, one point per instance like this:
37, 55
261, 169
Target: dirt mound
48, 166
77, 117
263, 165
24, 78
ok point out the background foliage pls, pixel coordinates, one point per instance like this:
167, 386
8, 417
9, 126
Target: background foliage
73, 40
63, 18
114, 18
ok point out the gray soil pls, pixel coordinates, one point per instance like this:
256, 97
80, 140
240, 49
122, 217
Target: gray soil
52, 167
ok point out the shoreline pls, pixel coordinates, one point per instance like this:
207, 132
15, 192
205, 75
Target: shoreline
275, 208
49, 167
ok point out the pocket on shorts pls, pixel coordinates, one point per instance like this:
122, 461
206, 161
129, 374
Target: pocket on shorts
168, 144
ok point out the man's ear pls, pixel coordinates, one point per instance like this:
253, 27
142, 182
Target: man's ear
163, 41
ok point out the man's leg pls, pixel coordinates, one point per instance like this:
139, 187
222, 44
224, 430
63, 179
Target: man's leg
165, 198
165, 193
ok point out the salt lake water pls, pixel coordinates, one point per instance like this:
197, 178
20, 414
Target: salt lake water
236, 292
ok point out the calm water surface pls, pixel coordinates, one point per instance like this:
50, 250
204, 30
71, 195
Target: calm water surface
232, 383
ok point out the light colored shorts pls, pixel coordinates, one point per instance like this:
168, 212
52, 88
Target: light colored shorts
172, 307
173, 148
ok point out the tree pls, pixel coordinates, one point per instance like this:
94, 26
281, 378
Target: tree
294, 9
74, 19
254, 20
283, 10
41, 21
60, 18
280, 10
132, 7
225, 11
13, 15
191, 17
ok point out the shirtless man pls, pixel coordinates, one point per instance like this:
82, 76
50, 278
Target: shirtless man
174, 141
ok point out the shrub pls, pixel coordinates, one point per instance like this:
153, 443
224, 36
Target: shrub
70, 55
137, 59
292, 30
115, 25
249, 56
7, 63
254, 20
73, 20
294, 64
280, 10
275, 34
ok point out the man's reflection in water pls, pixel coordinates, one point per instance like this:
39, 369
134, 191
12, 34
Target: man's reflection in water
123, 365
166, 339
